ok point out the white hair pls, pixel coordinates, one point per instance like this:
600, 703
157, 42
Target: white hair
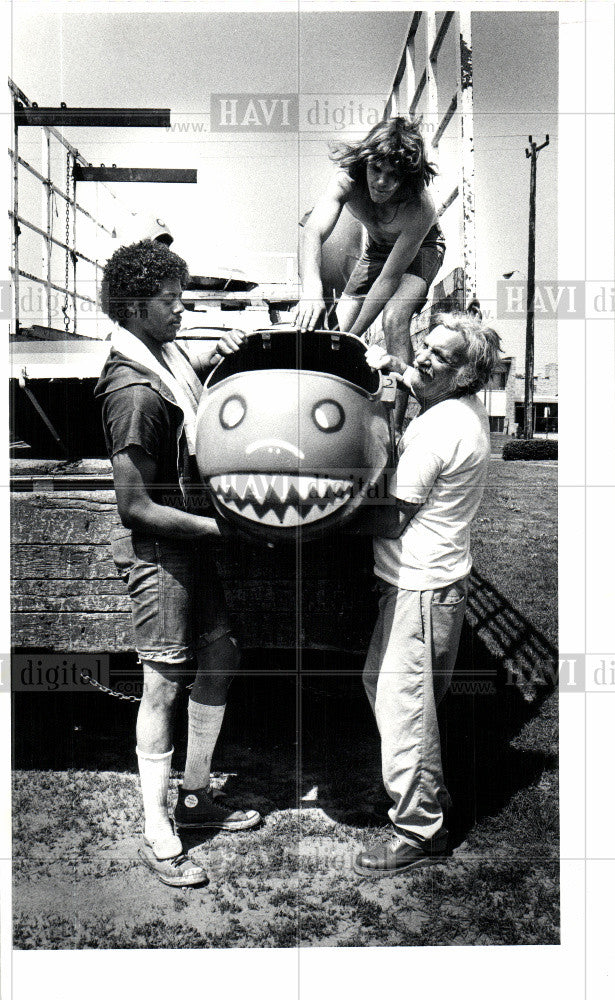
482, 348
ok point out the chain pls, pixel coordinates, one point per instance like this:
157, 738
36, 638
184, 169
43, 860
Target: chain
67, 235
106, 690
114, 694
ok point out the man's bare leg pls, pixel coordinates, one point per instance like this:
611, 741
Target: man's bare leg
154, 751
396, 317
217, 664
347, 310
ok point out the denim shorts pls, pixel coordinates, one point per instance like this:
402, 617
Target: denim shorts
178, 604
425, 265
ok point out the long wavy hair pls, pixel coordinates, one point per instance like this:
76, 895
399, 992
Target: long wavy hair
397, 142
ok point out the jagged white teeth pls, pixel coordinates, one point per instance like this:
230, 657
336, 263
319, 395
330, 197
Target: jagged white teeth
282, 490
239, 485
290, 516
279, 487
304, 486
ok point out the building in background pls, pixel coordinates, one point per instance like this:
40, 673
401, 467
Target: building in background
545, 400
498, 397
503, 398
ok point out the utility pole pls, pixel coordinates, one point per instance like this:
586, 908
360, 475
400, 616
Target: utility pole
528, 415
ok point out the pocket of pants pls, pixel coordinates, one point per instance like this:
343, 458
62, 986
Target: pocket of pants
122, 552
453, 594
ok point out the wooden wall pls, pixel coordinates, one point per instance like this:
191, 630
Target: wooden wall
66, 594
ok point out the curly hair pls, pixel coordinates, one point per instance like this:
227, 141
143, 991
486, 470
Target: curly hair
136, 273
483, 348
398, 142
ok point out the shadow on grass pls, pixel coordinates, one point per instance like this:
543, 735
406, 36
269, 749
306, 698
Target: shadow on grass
504, 670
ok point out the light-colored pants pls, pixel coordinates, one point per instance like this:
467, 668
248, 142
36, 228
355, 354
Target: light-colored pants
407, 673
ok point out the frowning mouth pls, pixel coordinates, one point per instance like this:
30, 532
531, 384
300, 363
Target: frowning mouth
286, 501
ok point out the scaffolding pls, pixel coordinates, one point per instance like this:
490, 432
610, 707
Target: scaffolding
416, 82
68, 286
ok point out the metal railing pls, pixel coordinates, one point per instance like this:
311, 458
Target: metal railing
68, 245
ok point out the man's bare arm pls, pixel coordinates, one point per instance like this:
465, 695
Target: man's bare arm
317, 229
385, 520
133, 477
230, 342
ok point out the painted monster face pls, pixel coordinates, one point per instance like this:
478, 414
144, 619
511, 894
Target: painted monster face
292, 432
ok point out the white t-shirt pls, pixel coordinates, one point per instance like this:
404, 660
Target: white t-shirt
444, 456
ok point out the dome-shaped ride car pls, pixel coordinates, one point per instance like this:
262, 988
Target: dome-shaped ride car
293, 433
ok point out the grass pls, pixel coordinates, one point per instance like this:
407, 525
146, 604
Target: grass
290, 882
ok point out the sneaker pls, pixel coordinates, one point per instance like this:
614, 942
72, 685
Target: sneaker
396, 857
177, 872
196, 810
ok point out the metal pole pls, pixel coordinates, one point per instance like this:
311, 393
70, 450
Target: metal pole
16, 222
465, 108
432, 84
410, 74
74, 246
528, 405
47, 195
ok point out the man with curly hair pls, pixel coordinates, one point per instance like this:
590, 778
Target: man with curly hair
382, 180
422, 561
150, 393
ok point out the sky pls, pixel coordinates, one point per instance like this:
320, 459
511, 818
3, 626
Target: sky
252, 187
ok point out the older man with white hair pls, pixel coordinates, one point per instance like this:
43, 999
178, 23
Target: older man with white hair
422, 560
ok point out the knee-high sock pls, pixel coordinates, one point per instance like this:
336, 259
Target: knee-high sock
204, 723
155, 771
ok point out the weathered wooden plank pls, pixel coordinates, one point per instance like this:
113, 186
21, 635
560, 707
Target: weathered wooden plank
88, 563
275, 614
44, 589
85, 633
54, 467
278, 599
53, 533
112, 631
97, 499
48, 474
67, 594
88, 603
71, 562
62, 518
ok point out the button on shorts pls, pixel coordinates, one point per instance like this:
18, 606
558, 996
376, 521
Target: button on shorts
177, 599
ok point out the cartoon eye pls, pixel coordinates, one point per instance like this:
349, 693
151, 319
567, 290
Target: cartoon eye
232, 413
328, 415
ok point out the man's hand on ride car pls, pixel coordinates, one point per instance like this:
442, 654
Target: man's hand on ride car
377, 357
230, 342
308, 311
